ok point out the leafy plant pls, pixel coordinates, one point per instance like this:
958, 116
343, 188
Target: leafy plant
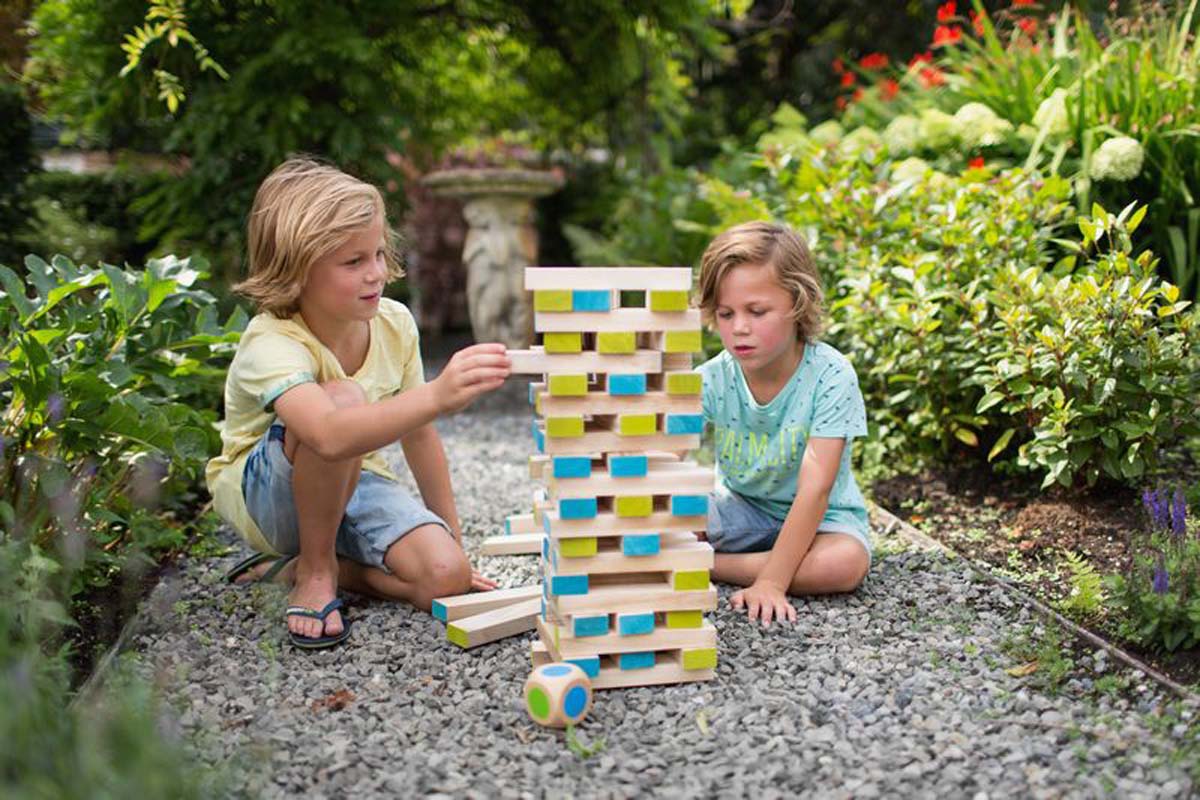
1086, 597
1160, 591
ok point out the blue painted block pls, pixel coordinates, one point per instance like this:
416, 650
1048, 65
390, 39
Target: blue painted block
627, 466
641, 544
543, 608
635, 624
532, 395
572, 467
539, 439
685, 423
439, 611
687, 505
590, 626
507, 527
635, 660
568, 584
546, 523
590, 665
591, 300
626, 384
577, 508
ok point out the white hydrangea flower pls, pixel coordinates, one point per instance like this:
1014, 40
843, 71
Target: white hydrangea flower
910, 169
902, 135
829, 132
787, 140
979, 126
858, 140
939, 130
1118, 159
1051, 114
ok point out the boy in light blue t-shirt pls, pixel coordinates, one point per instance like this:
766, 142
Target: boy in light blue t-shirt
787, 516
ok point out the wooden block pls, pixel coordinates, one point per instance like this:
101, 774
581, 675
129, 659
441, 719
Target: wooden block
562, 342
640, 545
610, 642
619, 319
689, 580
568, 585
584, 626
683, 382
674, 362
518, 544
679, 341
564, 428
577, 508
600, 403
609, 278
637, 424
580, 548
682, 423
662, 478
521, 523
616, 342
591, 300
569, 386
653, 594
637, 624
496, 624
609, 441
536, 361
634, 505
667, 669
685, 619
689, 505
677, 551
552, 300
625, 385
572, 467
667, 300
609, 524
641, 660
455, 607
627, 466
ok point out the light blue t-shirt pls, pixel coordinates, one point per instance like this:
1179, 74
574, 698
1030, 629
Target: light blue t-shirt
758, 448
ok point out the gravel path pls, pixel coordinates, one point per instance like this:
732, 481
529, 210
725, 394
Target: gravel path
898, 690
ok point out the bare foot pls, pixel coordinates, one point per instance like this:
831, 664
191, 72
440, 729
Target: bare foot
314, 590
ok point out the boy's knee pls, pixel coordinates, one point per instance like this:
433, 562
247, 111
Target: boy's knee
853, 569
448, 574
345, 393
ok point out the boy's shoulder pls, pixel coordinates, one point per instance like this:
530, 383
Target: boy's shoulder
824, 356
394, 314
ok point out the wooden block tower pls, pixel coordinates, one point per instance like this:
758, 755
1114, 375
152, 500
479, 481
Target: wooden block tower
625, 580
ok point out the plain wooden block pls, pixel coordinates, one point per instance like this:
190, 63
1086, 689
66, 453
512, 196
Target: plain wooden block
633, 279
557, 695
455, 607
521, 523
607, 523
604, 403
555, 633
662, 478
668, 668
636, 595
676, 551
619, 319
610, 441
517, 544
536, 361
496, 624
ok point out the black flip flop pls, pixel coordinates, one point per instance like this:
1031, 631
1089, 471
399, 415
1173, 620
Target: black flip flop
251, 561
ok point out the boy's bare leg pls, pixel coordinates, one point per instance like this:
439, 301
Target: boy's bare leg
835, 563
320, 489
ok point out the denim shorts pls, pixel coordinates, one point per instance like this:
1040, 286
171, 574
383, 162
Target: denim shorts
736, 526
379, 513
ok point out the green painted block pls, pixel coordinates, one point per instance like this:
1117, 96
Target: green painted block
457, 636
683, 383
616, 342
562, 342
552, 300
690, 580
668, 301
682, 342
685, 619
578, 548
700, 659
636, 505
567, 385
637, 424
564, 427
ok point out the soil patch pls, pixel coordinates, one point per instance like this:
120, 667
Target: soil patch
1023, 535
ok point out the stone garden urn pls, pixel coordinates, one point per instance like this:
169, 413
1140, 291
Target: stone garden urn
501, 242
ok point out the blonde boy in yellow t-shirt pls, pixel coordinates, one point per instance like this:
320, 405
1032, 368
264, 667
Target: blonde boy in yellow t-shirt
327, 373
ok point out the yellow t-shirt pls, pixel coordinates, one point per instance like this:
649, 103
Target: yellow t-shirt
276, 354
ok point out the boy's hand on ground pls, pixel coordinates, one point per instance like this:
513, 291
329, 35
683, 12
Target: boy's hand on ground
764, 600
471, 372
480, 583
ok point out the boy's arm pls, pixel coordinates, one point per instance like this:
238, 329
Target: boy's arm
767, 596
427, 459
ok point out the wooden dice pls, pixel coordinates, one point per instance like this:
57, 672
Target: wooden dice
558, 694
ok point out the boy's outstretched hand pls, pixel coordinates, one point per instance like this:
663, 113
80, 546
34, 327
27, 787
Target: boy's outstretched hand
764, 600
481, 583
471, 372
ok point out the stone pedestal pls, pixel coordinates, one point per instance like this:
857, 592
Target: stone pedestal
501, 242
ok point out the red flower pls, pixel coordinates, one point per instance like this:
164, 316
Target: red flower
931, 77
838, 66
858, 93
946, 11
888, 89
1028, 24
873, 61
976, 162
945, 35
1019, 3
920, 58
840, 103
977, 23
848, 79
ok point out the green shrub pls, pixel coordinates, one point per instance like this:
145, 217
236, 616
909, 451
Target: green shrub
1160, 592
111, 381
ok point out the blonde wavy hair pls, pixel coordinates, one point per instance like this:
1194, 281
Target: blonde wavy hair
304, 210
778, 247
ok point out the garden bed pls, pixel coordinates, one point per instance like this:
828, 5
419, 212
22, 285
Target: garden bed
1022, 535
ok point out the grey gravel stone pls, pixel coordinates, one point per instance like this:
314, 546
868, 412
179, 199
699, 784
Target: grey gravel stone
897, 691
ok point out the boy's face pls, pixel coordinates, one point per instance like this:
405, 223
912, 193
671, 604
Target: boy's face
346, 285
754, 319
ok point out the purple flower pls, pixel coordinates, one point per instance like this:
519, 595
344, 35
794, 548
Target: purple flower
1179, 514
55, 405
1157, 508
1161, 580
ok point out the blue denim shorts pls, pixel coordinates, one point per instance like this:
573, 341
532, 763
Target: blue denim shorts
736, 526
379, 513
